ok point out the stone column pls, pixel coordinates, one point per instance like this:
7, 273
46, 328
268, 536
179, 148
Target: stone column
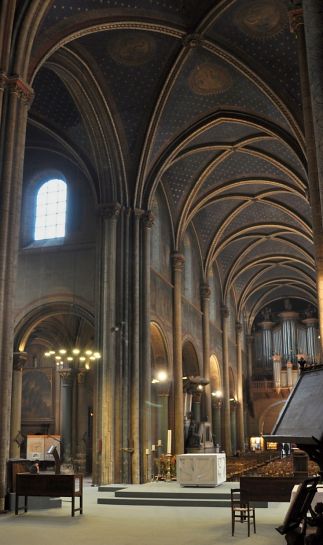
107, 331
311, 62
277, 371
250, 341
147, 221
17, 96
135, 349
226, 426
241, 430
196, 405
19, 360
233, 423
205, 299
81, 419
216, 420
289, 369
66, 412
313, 24
178, 262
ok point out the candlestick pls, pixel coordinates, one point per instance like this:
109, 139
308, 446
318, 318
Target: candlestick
159, 443
153, 448
169, 441
147, 451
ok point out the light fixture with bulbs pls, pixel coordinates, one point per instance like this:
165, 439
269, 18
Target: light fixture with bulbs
73, 358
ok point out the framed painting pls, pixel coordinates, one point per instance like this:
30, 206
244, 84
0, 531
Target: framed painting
37, 395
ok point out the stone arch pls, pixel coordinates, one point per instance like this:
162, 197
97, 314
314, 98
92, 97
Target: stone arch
215, 374
269, 417
160, 384
54, 326
191, 366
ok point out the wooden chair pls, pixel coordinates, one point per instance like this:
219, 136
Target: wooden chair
241, 511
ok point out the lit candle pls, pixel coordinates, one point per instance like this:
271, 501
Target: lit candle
147, 450
153, 448
159, 443
169, 441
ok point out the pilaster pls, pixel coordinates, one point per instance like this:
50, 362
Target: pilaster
178, 261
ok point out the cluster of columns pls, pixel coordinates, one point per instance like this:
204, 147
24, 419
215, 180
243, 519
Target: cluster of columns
15, 98
306, 21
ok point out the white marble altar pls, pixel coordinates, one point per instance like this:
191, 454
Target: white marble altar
201, 469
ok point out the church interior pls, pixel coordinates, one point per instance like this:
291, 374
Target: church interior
161, 227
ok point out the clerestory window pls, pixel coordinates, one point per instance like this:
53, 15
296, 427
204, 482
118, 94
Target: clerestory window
51, 210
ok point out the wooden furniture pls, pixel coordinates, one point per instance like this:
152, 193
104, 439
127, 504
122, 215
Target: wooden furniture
49, 485
267, 488
241, 510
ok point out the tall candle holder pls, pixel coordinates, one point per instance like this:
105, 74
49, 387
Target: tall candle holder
168, 467
159, 452
147, 464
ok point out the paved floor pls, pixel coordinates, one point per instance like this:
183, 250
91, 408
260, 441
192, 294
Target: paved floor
144, 525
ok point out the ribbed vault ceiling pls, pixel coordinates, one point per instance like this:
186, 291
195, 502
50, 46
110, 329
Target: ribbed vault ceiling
202, 98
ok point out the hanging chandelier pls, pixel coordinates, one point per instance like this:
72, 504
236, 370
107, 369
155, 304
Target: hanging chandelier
73, 358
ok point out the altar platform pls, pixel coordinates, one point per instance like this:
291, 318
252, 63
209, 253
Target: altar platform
168, 494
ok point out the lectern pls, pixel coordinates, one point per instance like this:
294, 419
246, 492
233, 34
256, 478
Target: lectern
301, 422
53, 450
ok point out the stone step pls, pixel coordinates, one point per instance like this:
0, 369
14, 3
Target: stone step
165, 501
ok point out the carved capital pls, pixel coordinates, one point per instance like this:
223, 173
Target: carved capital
224, 311
148, 219
178, 261
238, 327
66, 375
205, 291
250, 339
17, 86
109, 210
81, 375
3, 81
19, 360
296, 19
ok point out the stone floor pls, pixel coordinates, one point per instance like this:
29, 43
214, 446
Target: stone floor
132, 524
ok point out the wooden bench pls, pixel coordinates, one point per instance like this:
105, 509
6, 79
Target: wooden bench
49, 485
265, 489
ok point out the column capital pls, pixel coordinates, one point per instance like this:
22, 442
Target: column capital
19, 360
205, 291
224, 311
17, 86
178, 261
66, 375
238, 327
109, 210
296, 18
80, 375
148, 219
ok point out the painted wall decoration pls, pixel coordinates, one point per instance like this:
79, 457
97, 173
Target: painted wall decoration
37, 395
261, 18
209, 79
132, 48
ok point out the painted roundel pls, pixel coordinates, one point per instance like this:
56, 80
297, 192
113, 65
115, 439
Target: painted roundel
261, 18
132, 48
209, 79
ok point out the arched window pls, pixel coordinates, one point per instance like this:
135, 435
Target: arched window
51, 210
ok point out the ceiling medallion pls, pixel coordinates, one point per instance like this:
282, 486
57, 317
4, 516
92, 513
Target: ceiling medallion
209, 79
262, 18
132, 48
